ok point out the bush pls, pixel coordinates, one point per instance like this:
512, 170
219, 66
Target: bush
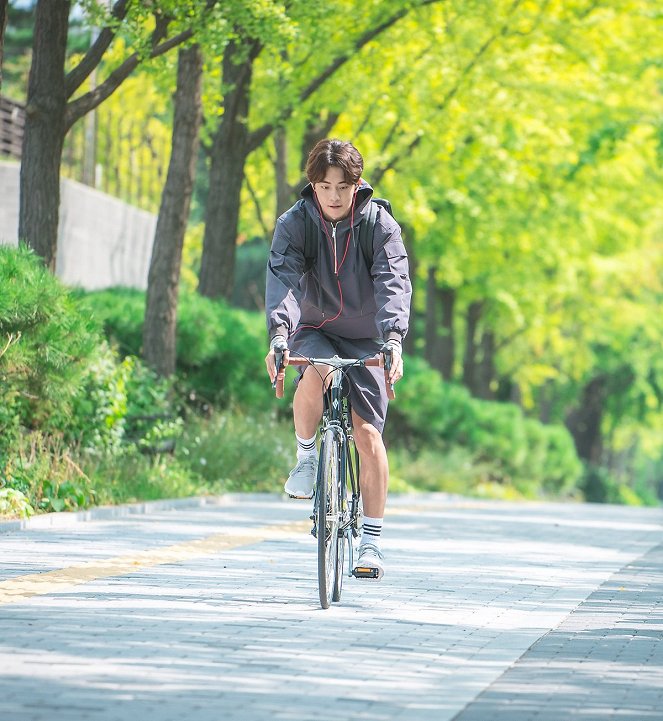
65, 395
46, 345
127, 476
43, 469
14, 503
236, 451
220, 350
433, 414
123, 401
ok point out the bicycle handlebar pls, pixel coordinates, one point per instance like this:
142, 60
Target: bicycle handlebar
295, 360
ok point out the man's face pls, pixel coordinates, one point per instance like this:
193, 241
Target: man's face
334, 194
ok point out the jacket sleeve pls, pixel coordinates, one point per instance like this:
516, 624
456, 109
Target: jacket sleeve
392, 287
284, 271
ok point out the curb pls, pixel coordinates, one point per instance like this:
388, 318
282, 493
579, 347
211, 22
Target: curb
64, 519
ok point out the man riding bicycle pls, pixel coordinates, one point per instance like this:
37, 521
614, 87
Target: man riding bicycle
338, 302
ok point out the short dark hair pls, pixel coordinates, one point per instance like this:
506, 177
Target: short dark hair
330, 152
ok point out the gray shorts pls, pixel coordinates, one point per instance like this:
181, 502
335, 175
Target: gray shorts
368, 390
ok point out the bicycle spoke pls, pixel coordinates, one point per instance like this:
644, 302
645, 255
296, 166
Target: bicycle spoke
327, 513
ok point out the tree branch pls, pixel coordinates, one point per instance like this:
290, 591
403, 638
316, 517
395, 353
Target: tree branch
76, 109
377, 175
256, 203
11, 339
258, 136
95, 53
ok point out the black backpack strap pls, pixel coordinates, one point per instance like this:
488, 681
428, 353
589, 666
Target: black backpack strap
384, 203
366, 229
310, 241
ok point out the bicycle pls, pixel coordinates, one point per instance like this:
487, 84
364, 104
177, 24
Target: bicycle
336, 498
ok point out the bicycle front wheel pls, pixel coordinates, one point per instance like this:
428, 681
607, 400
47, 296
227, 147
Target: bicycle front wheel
344, 532
327, 516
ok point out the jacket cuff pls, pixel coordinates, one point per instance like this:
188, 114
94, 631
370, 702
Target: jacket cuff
281, 330
393, 335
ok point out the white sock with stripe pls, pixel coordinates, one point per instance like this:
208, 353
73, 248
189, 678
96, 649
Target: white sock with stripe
305, 447
371, 530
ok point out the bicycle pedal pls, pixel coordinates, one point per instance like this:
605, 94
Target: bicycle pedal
365, 572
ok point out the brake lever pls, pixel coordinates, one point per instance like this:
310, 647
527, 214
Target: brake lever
388, 357
278, 362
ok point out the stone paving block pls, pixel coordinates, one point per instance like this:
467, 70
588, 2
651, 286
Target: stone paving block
470, 588
594, 660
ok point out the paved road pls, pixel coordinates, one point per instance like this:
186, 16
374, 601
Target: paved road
488, 612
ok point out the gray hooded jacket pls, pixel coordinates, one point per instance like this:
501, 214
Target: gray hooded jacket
360, 302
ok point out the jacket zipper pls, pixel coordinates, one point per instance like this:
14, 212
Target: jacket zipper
333, 228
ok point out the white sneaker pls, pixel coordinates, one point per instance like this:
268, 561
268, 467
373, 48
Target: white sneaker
301, 479
369, 563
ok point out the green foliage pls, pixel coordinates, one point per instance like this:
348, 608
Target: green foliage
66, 396
128, 476
235, 450
43, 469
123, 401
504, 444
220, 350
14, 503
600, 486
46, 344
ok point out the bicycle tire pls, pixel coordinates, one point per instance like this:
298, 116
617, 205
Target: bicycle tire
327, 516
340, 566
344, 513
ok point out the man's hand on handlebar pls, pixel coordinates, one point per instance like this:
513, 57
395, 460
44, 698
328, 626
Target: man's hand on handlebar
277, 358
393, 361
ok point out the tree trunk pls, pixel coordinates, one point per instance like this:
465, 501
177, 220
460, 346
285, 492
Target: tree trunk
546, 401
316, 130
474, 311
447, 341
283, 190
230, 149
409, 342
3, 25
440, 346
44, 132
431, 350
584, 422
159, 348
486, 367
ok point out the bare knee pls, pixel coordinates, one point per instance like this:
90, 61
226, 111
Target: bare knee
312, 380
368, 438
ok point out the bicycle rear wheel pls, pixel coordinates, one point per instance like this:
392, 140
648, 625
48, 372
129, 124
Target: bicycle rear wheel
327, 517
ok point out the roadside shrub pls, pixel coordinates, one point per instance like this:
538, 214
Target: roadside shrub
122, 401
46, 342
65, 394
43, 468
433, 414
236, 451
128, 476
220, 350
14, 503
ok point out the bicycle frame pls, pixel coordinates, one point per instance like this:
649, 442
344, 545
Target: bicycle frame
337, 417
334, 523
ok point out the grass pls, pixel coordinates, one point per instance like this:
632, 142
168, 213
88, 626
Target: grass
228, 451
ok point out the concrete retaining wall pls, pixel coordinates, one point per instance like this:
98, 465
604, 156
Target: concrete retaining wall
102, 241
